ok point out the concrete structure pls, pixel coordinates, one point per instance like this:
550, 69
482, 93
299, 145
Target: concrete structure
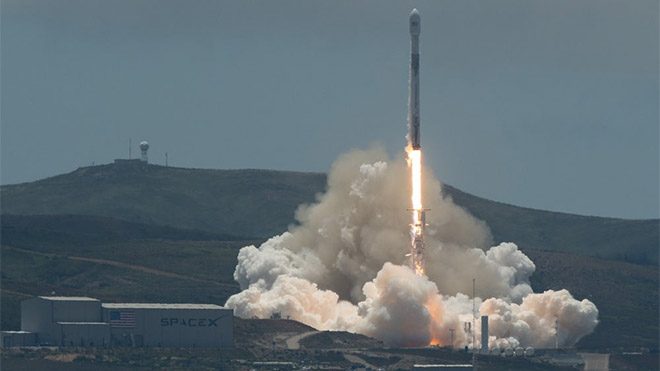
273, 365
124, 162
43, 315
18, 339
83, 334
169, 325
596, 361
484, 334
444, 367
83, 321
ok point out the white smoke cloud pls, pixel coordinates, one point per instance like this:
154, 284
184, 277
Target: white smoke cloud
344, 267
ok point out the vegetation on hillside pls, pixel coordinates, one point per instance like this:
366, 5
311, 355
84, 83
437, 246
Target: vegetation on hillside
262, 203
636, 241
254, 203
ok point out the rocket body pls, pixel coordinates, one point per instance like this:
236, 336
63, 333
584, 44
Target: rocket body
413, 94
414, 151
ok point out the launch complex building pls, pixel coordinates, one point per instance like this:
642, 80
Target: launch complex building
86, 322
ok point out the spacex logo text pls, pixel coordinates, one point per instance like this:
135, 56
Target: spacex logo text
189, 322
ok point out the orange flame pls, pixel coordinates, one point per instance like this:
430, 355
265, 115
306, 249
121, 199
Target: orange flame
434, 307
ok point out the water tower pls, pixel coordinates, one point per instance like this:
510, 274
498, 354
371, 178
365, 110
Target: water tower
144, 147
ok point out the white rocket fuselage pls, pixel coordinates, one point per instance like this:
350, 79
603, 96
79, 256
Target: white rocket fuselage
413, 97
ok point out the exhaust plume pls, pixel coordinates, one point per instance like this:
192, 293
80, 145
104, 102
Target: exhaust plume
344, 267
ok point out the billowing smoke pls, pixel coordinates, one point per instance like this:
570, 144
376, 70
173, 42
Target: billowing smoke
344, 267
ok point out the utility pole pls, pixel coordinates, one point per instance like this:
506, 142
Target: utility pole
474, 329
473, 310
451, 336
165, 159
556, 334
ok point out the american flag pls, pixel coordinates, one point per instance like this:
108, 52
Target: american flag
122, 318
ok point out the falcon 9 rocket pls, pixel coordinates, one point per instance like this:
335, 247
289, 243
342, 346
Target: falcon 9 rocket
414, 151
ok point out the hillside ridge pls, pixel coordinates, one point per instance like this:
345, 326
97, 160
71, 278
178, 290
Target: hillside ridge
262, 203
452, 190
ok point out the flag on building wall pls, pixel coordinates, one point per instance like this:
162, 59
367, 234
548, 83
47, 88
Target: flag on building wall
122, 318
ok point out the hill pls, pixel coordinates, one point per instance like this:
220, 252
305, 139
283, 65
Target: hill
19, 230
162, 270
261, 203
635, 241
236, 202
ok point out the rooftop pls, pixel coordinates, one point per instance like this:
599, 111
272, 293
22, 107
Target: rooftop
465, 365
16, 332
159, 306
68, 298
83, 323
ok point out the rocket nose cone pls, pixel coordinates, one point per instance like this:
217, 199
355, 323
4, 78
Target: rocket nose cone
414, 15
415, 22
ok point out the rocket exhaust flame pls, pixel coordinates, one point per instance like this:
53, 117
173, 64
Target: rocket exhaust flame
418, 212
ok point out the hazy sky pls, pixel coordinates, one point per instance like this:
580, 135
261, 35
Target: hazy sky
546, 104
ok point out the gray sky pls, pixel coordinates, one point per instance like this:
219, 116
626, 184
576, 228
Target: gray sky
546, 104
